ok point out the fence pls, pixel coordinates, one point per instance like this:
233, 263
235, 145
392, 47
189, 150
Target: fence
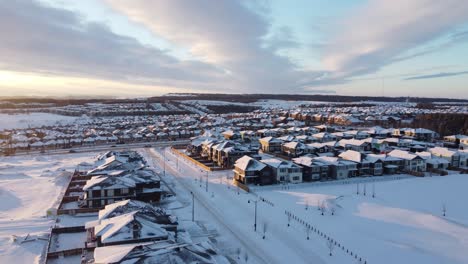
314, 229
241, 185
328, 183
194, 161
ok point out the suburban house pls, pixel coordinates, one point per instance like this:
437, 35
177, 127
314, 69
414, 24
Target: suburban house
457, 158
143, 185
456, 141
391, 165
295, 149
248, 170
339, 169
117, 163
434, 162
412, 162
324, 137
160, 215
312, 170
366, 165
226, 153
133, 227
416, 133
270, 144
354, 144
284, 171
164, 252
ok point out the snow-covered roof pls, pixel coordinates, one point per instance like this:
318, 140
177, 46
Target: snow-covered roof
351, 155
402, 154
120, 228
247, 163
443, 152
278, 163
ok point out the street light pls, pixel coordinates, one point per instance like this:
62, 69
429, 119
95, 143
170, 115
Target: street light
164, 161
193, 206
206, 187
255, 217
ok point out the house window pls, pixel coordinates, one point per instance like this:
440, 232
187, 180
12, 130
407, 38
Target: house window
96, 193
124, 190
110, 192
295, 178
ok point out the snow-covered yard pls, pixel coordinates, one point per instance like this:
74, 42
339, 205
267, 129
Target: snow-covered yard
29, 186
403, 223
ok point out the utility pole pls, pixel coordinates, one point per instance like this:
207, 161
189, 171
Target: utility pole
193, 207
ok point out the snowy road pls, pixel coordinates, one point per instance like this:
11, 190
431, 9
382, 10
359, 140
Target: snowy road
281, 245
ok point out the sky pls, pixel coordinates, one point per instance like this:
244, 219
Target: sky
139, 48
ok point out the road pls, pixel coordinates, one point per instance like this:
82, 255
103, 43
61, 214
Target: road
236, 215
81, 149
255, 254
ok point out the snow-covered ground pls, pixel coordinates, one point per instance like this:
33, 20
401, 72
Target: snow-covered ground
403, 223
29, 186
34, 120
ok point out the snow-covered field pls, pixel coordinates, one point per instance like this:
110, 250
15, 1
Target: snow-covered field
29, 186
34, 120
403, 223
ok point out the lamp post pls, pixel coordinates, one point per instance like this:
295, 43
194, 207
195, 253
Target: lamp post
206, 187
193, 206
255, 216
164, 161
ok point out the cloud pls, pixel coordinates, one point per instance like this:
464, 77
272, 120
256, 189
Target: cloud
436, 75
380, 32
41, 39
227, 34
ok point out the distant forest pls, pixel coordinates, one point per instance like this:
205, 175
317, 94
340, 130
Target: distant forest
444, 124
242, 98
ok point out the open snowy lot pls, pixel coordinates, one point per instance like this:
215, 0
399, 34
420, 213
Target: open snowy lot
35, 120
402, 223
29, 186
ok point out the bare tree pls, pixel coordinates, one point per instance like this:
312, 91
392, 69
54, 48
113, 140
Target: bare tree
307, 229
307, 204
444, 209
246, 257
365, 185
289, 219
330, 246
333, 210
238, 253
357, 188
265, 228
318, 205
